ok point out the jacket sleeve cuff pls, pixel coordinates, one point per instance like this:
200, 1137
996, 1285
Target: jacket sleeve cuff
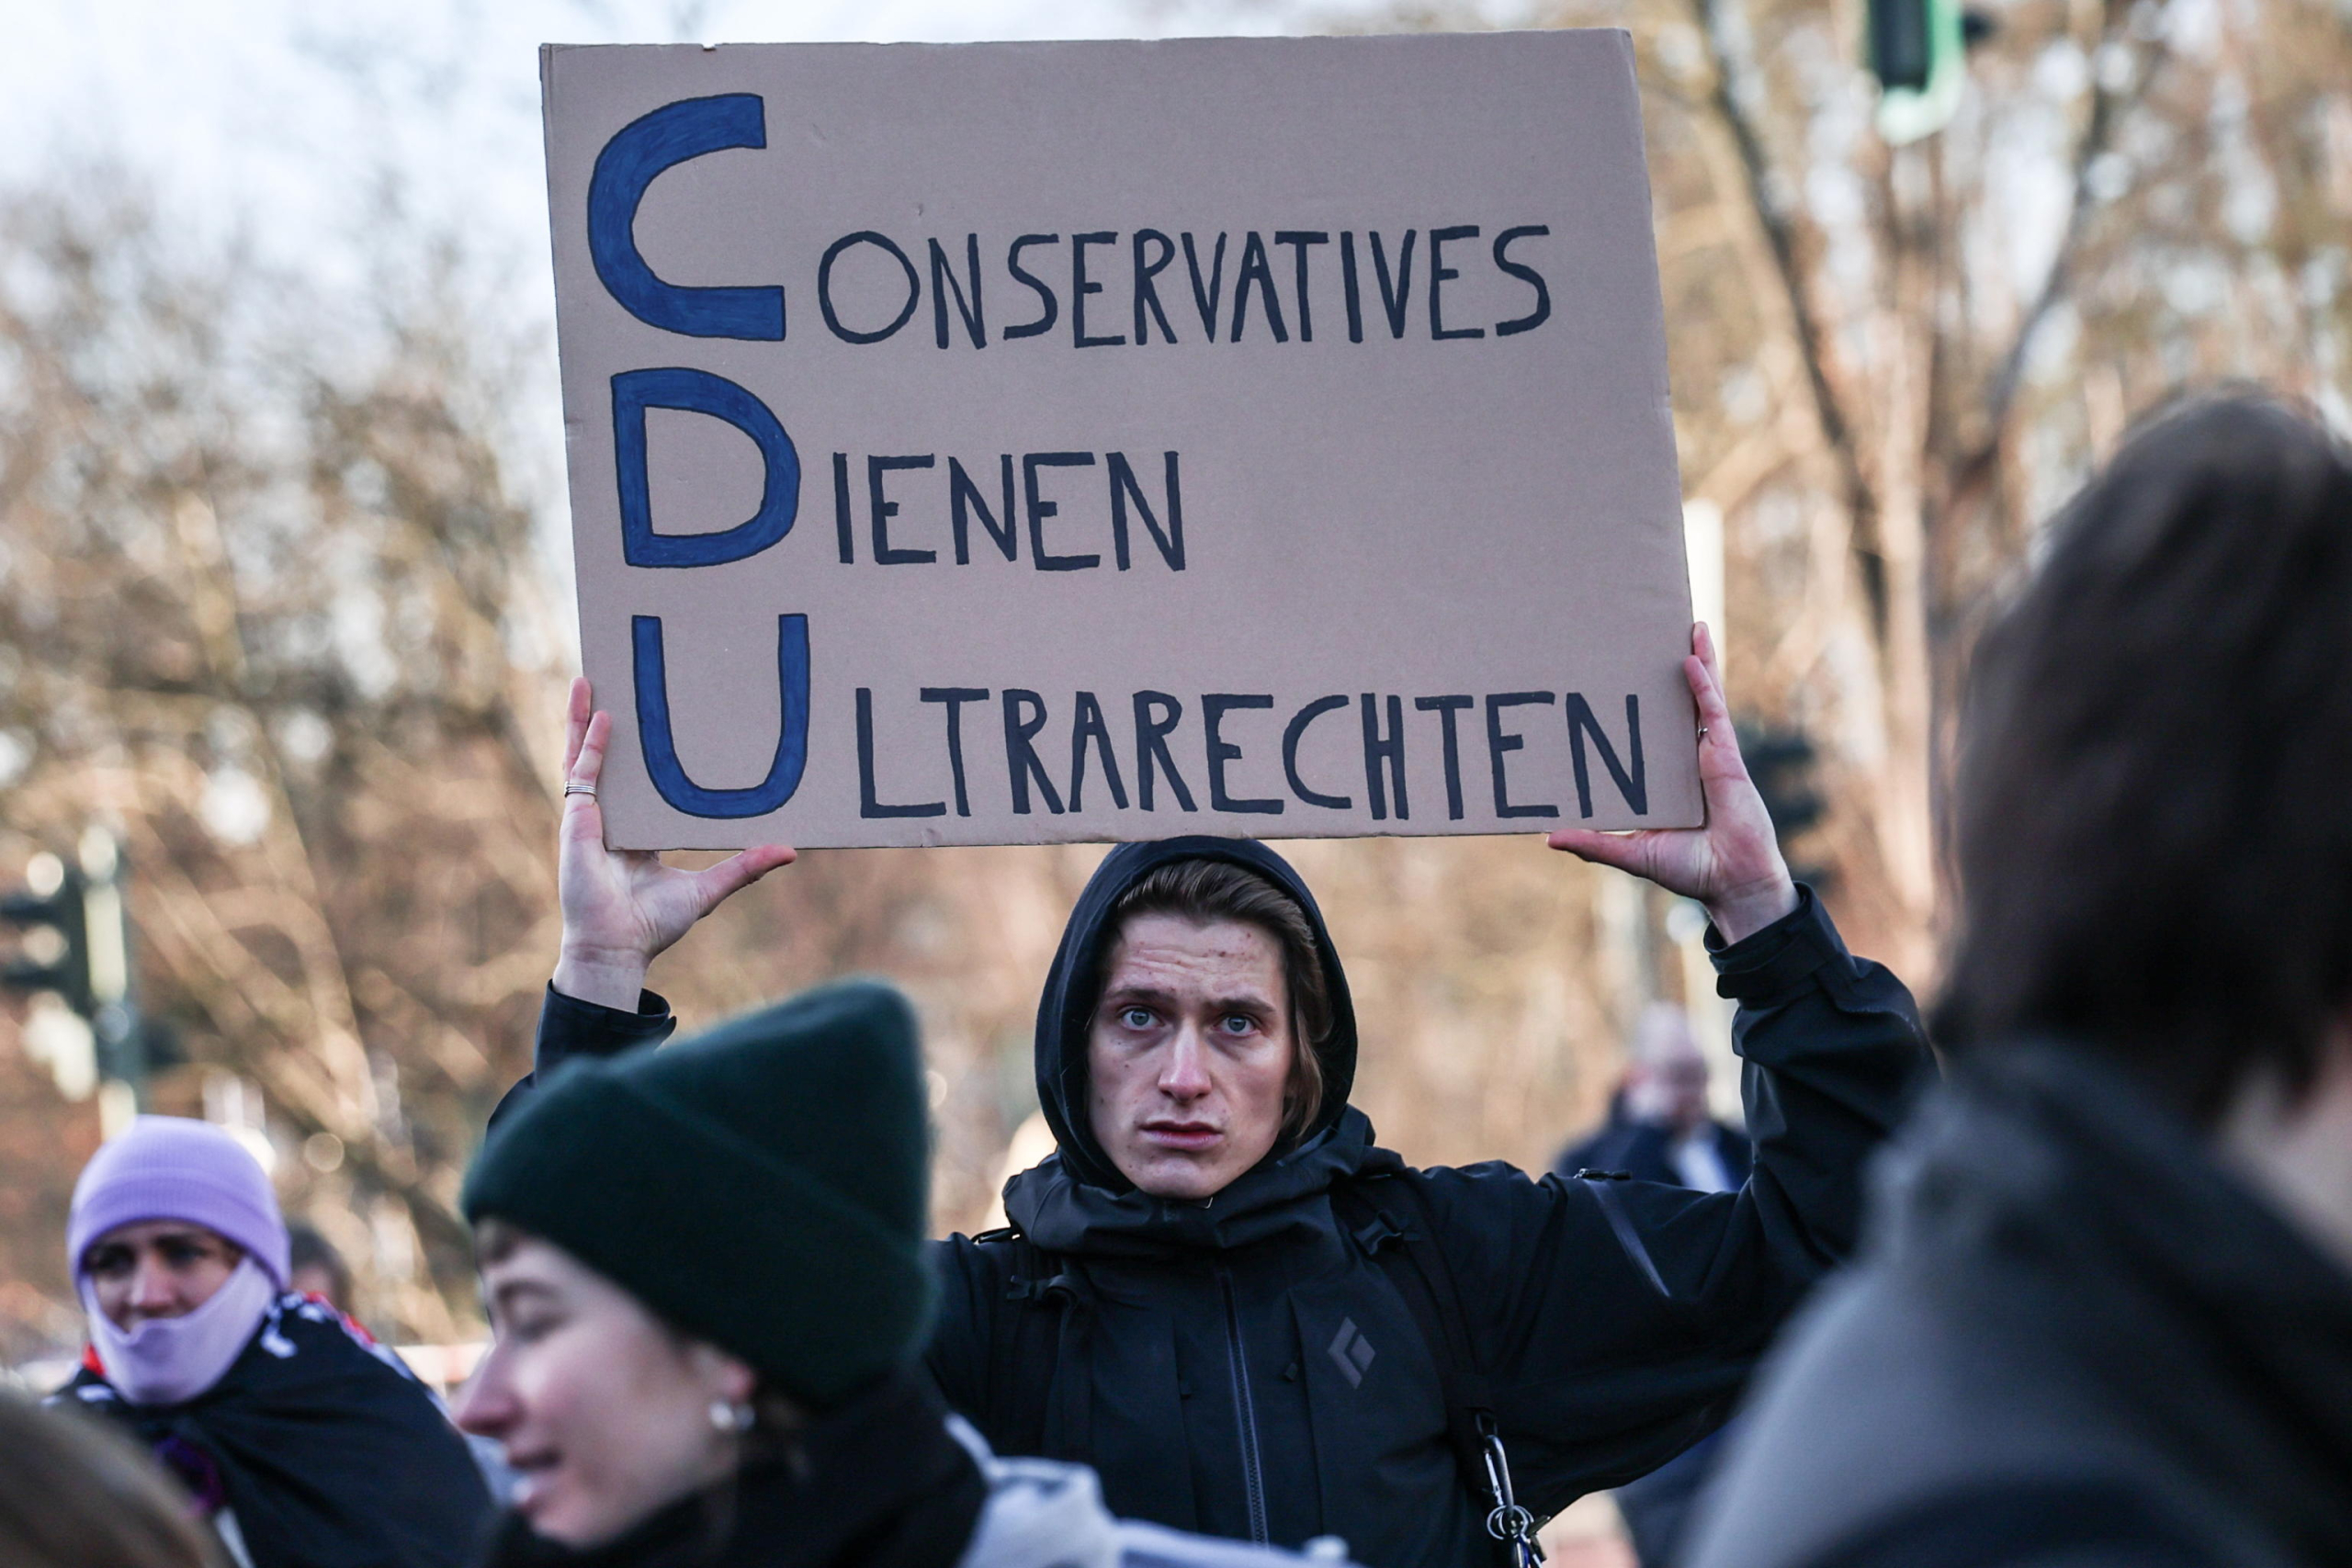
570, 1027
1767, 965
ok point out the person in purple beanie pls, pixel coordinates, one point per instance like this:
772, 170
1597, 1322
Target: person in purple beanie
305, 1444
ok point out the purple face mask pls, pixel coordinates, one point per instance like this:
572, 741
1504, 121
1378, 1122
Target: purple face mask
169, 1361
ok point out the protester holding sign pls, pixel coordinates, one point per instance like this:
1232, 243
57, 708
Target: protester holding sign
1110, 440
1246, 1317
705, 1270
304, 1443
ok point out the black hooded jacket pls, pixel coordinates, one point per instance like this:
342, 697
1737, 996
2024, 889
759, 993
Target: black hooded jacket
2072, 1338
1243, 1367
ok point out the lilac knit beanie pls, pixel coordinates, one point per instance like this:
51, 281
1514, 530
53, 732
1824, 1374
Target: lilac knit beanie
169, 1167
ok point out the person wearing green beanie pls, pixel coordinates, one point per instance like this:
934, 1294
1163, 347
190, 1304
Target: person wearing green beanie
704, 1269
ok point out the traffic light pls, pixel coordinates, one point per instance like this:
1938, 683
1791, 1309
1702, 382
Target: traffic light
53, 955
1781, 763
75, 947
1918, 50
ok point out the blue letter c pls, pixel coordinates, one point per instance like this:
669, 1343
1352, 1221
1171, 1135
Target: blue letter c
628, 165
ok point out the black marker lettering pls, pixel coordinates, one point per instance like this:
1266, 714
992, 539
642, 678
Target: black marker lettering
1087, 727
1044, 324
1152, 729
1295, 732
1388, 749
1446, 707
869, 803
1438, 272
1147, 292
1498, 743
883, 509
954, 697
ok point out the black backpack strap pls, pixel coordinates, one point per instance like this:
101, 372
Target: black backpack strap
1033, 1329
1388, 1218
1385, 1218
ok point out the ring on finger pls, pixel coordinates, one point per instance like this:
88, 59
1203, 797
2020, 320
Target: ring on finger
587, 789
1703, 735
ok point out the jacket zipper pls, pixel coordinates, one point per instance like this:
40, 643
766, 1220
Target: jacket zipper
1245, 1414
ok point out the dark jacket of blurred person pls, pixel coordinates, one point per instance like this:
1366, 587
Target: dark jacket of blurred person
75, 1495
2104, 1313
304, 1443
1659, 1130
1245, 1366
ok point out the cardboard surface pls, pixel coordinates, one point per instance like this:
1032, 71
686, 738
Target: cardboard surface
900, 518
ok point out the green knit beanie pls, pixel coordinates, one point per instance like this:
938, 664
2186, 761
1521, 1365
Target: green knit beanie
763, 1186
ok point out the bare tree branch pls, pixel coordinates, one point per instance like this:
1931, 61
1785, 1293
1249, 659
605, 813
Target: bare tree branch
1737, 100
2108, 109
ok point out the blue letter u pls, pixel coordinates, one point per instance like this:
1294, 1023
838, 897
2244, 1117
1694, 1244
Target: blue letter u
699, 391
661, 746
638, 152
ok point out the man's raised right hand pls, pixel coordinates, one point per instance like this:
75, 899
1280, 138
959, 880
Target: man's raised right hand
622, 908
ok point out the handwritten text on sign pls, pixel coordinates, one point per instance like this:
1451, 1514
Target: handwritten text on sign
1008, 443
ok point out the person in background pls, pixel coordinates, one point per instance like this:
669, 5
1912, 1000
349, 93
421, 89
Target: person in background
704, 1269
2103, 1313
317, 1268
304, 1443
1659, 1130
75, 1495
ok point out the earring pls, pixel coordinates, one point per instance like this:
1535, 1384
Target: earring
730, 1417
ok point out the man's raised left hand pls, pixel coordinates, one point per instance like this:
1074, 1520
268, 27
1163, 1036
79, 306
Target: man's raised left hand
1733, 864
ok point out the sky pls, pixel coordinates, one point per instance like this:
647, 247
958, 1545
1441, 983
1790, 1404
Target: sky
279, 122
276, 114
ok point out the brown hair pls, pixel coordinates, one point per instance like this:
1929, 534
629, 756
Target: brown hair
1206, 890
305, 1248
2155, 846
73, 1494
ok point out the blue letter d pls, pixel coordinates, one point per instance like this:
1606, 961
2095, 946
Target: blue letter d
699, 391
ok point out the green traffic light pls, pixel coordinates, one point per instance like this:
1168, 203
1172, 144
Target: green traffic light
1918, 50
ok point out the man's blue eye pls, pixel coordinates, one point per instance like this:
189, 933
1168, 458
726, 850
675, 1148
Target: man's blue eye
1135, 1017
1239, 1023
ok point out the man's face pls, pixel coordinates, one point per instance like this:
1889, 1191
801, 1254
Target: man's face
317, 1279
157, 1269
1189, 1056
1669, 1088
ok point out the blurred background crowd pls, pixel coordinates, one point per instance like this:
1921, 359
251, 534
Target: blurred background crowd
284, 593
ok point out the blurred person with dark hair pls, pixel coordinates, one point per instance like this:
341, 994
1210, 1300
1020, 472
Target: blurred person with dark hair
316, 1268
75, 1495
1226, 1298
305, 1443
706, 1270
1659, 1130
2104, 1314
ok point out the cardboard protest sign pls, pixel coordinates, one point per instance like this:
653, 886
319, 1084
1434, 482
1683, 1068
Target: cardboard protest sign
1008, 443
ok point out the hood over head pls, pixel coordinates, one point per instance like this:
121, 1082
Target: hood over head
1065, 1011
